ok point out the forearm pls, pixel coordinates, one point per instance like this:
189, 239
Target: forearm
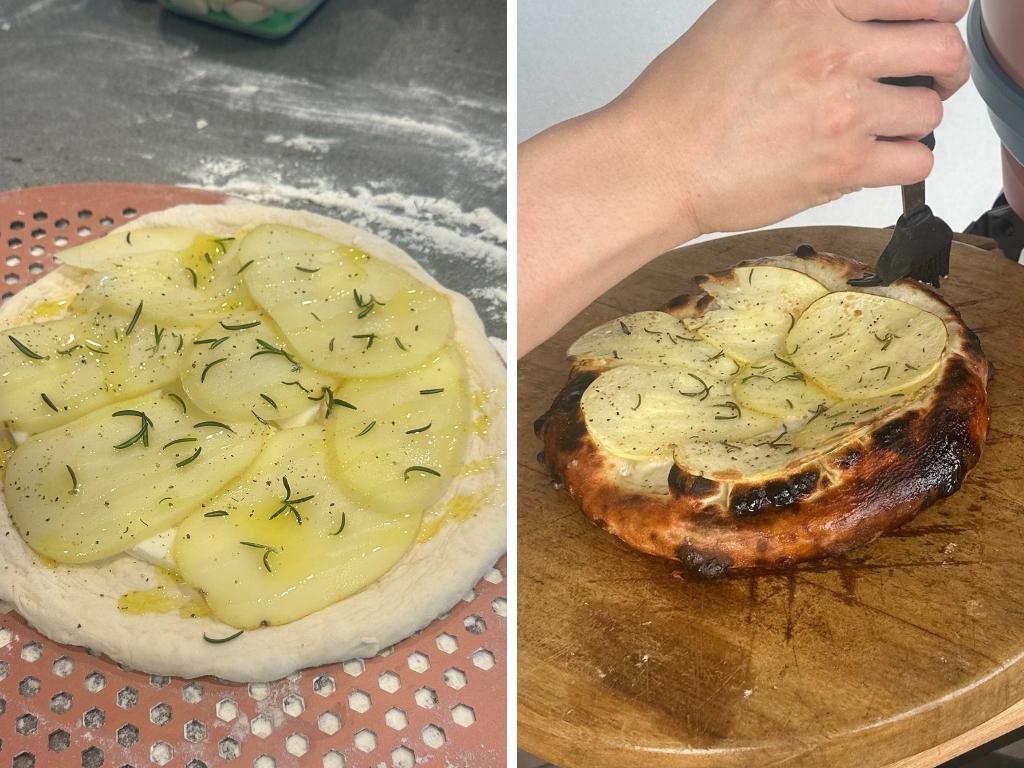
593, 208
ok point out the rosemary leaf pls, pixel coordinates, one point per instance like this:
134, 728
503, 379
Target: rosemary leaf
191, 458
26, 351
368, 427
419, 429
425, 470
134, 320
49, 403
240, 326
208, 366
229, 638
217, 424
74, 480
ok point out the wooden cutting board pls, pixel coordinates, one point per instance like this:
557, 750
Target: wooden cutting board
859, 661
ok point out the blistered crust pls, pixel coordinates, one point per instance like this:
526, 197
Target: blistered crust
871, 482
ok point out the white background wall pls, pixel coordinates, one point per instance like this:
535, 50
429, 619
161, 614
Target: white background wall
575, 55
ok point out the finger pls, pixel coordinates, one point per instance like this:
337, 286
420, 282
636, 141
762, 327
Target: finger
915, 48
894, 111
902, 10
895, 163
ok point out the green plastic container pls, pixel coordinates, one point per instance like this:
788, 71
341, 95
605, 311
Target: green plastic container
279, 24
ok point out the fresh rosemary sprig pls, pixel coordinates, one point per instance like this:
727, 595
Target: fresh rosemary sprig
217, 424
401, 346
342, 526
701, 394
308, 270
734, 410
184, 408
259, 418
625, 328
134, 320
192, 274
219, 640
49, 402
716, 357
142, 434
288, 504
839, 335
886, 340
419, 429
266, 348
639, 400
217, 513
327, 394
191, 458
330, 344
886, 368
240, 326
244, 266
296, 384
366, 307
368, 427
270, 400
180, 440
74, 480
214, 343
783, 360
368, 336
69, 350
425, 470
435, 391
818, 412
267, 552
26, 351
208, 366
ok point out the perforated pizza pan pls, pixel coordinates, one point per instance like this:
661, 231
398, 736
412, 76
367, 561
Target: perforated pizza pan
435, 699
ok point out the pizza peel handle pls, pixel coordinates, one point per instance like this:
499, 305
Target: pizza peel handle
921, 241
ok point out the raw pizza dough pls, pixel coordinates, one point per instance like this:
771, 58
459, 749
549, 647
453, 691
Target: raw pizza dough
78, 604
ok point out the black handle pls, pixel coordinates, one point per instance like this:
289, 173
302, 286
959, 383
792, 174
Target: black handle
914, 81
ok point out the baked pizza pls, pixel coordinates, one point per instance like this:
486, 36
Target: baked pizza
232, 428
775, 416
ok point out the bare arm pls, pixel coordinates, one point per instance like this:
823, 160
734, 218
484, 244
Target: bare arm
762, 109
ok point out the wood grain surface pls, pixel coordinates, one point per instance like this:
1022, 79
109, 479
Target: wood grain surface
873, 658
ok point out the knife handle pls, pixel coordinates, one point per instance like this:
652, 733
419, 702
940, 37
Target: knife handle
914, 81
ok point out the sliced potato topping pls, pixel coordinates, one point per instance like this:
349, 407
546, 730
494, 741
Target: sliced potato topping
859, 345
402, 444
344, 311
645, 412
754, 309
284, 540
188, 287
171, 395
98, 485
51, 373
241, 368
120, 247
775, 387
651, 339
811, 367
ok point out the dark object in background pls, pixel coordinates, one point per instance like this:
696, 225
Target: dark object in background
1003, 225
270, 19
995, 36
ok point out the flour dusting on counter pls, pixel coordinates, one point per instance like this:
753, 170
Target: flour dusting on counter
431, 228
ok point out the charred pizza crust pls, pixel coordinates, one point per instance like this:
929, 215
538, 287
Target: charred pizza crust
845, 495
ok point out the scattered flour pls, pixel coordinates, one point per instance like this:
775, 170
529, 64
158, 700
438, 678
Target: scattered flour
427, 225
301, 143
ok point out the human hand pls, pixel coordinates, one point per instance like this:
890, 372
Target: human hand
767, 107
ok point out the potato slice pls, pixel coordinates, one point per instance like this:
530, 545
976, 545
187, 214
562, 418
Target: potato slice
643, 413
123, 247
194, 286
651, 339
51, 373
775, 387
406, 428
836, 420
262, 561
342, 310
858, 345
76, 497
241, 368
754, 309
745, 460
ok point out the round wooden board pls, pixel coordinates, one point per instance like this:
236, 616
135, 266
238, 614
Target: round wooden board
863, 660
